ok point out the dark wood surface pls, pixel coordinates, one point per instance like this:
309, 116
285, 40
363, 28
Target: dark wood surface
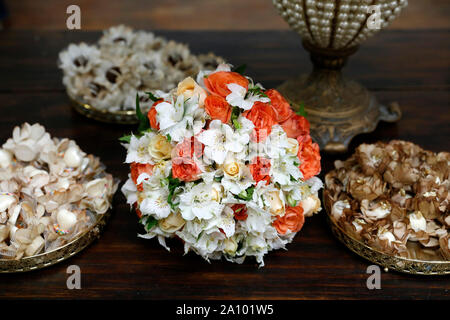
192, 14
410, 67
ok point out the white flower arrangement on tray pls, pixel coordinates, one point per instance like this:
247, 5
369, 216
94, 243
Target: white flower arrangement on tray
107, 75
223, 164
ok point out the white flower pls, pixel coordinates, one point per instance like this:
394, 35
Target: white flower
238, 183
237, 97
220, 139
170, 114
196, 202
181, 119
138, 149
283, 170
277, 144
155, 203
156, 180
257, 220
129, 190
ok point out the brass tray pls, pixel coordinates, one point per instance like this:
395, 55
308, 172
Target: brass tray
388, 262
120, 117
46, 259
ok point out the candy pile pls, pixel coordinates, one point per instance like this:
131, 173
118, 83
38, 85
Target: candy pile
124, 62
50, 192
394, 197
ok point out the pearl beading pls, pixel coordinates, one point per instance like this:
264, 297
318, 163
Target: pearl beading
336, 24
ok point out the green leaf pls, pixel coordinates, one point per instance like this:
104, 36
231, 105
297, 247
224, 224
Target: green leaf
235, 112
218, 179
126, 138
301, 110
236, 124
173, 183
149, 222
240, 69
144, 123
256, 90
169, 138
152, 96
246, 195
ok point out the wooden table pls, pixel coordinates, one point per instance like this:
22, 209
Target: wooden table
410, 67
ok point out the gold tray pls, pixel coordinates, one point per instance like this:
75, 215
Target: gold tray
120, 117
46, 259
388, 262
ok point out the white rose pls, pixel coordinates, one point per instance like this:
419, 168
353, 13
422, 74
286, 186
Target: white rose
172, 223
293, 146
310, 205
230, 246
189, 88
160, 148
276, 205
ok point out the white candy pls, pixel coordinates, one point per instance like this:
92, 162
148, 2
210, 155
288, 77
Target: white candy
4, 232
338, 208
95, 188
66, 219
5, 158
417, 221
35, 247
73, 157
6, 201
15, 214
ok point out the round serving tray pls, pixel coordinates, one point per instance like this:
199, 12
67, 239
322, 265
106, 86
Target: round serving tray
120, 117
388, 262
58, 255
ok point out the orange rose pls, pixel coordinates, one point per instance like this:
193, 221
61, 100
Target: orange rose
281, 106
218, 108
185, 169
260, 168
263, 116
296, 126
216, 83
151, 115
309, 156
137, 169
240, 211
188, 147
292, 220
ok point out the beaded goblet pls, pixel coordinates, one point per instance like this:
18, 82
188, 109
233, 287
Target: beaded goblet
331, 30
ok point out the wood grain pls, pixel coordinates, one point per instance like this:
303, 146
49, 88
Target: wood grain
192, 14
316, 266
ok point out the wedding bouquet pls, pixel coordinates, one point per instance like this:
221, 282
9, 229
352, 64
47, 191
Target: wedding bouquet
223, 164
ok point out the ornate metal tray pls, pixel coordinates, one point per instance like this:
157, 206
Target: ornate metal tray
120, 117
58, 255
388, 262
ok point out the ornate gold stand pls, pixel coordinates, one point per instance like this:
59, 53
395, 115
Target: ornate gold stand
338, 108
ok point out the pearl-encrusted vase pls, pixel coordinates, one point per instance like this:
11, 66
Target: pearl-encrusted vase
331, 30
